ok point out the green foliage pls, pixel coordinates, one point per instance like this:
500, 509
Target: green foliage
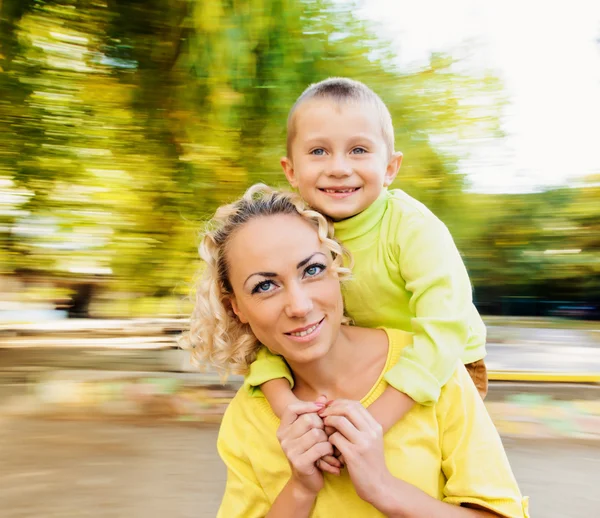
127, 122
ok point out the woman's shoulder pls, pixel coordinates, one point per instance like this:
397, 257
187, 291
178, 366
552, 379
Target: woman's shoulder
246, 408
397, 338
244, 403
247, 423
459, 395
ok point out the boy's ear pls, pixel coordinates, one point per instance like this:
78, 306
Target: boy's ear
288, 169
236, 309
392, 168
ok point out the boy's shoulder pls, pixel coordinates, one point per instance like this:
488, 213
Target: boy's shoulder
403, 209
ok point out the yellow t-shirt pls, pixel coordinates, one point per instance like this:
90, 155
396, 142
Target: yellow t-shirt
450, 450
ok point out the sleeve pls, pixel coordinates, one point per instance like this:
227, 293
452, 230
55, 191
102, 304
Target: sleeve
266, 367
243, 497
440, 301
474, 462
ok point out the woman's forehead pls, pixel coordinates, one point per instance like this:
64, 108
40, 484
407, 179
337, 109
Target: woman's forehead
273, 241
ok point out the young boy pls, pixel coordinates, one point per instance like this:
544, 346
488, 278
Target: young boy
407, 274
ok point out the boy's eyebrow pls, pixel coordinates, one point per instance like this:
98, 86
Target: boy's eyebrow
273, 274
360, 136
317, 139
312, 139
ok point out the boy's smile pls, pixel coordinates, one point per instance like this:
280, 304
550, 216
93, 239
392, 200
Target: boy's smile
339, 159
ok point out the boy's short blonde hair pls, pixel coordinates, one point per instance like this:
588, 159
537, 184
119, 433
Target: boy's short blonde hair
342, 89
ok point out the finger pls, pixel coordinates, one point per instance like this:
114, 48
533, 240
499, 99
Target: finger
293, 411
302, 444
313, 454
333, 460
329, 430
303, 424
343, 426
341, 443
322, 399
328, 468
357, 414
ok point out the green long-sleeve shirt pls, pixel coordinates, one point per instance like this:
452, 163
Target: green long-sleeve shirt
407, 275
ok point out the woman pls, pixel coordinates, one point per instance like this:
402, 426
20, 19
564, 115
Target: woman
272, 277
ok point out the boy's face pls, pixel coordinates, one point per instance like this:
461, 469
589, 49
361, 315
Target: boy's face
339, 160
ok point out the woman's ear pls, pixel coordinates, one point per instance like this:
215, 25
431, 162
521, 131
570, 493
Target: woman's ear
236, 309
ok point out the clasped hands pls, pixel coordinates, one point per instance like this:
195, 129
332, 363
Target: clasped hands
310, 432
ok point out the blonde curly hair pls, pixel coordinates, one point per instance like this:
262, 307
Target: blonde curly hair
216, 336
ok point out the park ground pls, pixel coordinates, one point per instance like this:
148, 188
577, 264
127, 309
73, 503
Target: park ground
108, 469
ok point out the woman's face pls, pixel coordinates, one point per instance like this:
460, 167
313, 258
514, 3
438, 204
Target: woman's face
283, 286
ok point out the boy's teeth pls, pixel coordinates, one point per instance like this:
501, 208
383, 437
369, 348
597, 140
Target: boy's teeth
306, 331
339, 190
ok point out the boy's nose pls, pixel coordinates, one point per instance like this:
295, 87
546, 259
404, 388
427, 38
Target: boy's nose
340, 167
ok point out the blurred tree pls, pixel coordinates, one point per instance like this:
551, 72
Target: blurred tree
129, 121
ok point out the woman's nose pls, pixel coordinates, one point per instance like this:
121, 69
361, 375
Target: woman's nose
299, 303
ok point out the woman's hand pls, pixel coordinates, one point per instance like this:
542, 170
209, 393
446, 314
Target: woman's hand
359, 438
304, 441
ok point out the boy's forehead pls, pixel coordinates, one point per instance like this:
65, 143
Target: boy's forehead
313, 113
338, 105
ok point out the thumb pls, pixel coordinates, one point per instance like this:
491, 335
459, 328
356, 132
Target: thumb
322, 399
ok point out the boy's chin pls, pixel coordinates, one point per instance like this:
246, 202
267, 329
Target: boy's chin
340, 213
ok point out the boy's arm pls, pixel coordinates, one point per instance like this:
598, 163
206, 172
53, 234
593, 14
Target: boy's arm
390, 407
279, 395
271, 374
441, 303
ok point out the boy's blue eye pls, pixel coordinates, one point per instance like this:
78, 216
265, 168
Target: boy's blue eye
359, 150
314, 269
318, 152
262, 287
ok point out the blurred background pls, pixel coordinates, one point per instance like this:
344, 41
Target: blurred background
125, 123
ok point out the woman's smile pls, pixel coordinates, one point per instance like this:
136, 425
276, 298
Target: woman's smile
307, 333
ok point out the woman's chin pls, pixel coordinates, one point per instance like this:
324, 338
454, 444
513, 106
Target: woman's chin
309, 353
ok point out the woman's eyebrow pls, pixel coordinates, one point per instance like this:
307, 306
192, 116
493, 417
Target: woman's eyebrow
304, 261
273, 274
264, 274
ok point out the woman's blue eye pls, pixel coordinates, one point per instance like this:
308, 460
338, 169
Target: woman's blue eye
262, 287
318, 152
314, 269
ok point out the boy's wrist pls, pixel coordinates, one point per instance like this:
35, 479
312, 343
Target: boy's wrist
279, 395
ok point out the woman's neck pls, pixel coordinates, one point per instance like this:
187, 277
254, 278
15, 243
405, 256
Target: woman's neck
349, 370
